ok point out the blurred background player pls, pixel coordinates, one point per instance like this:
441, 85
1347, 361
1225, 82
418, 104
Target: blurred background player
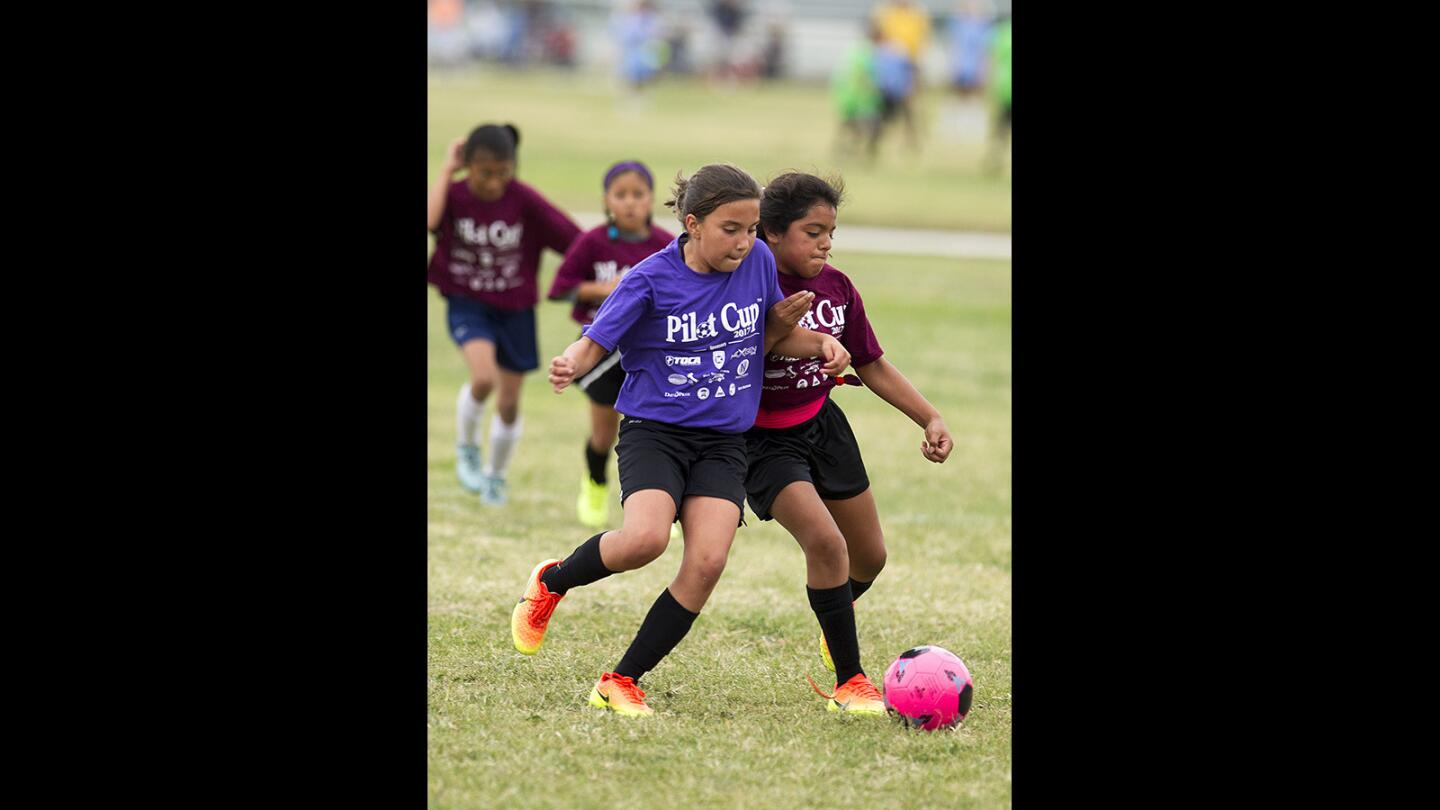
904, 26
638, 33
999, 94
593, 267
857, 99
968, 32
489, 231
711, 297
805, 469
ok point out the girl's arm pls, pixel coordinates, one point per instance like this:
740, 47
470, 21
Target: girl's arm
576, 361
805, 343
593, 292
453, 163
887, 382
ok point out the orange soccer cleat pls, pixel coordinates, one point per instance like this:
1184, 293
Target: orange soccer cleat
619, 694
532, 613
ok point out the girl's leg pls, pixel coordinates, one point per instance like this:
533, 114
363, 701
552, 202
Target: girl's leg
709, 525
504, 434
479, 357
593, 505
604, 424
642, 538
859, 522
827, 572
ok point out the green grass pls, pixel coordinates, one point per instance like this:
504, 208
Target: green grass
737, 725
573, 126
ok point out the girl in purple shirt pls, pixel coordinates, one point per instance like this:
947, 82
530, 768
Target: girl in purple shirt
489, 231
692, 323
805, 468
591, 271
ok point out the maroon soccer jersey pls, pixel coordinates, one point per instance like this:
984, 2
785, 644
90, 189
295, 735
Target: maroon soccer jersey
837, 310
597, 257
490, 251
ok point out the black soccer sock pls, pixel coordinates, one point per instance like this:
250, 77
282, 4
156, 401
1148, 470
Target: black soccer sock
582, 567
857, 587
596, 462
667, 622
834, 608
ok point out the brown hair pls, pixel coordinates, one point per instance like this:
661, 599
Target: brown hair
709, 188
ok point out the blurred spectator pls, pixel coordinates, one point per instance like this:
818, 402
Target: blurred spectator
772, 60
677, 49
968, 31
637, 34
857, 99
729, 17
445, 34
487, 30
1000, 94
535, 34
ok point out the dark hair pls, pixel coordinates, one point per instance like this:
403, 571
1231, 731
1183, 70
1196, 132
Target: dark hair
499, 140
789, 196
709, 188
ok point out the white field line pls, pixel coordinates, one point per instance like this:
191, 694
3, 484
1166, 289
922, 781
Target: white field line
905, 241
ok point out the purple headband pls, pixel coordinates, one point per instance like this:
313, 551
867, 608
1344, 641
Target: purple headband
628, 166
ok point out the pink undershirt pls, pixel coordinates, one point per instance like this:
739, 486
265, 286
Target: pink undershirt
789, 417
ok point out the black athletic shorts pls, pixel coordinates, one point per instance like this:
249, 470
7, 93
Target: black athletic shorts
602, 383
682, 461
821, 450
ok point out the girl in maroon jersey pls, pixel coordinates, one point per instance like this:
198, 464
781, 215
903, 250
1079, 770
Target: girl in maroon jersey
591, 270
805, 468
489, 232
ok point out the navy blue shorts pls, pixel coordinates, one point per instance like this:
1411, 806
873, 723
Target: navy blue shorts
512, 331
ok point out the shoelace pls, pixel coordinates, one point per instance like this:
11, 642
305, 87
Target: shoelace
629, 688
860, 687
541, 608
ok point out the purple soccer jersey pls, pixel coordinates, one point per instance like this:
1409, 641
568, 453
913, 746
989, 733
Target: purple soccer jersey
490, 251
690, 342
597, 257
838, 311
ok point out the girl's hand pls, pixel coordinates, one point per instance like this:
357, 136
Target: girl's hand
455, 156
562, 371
787, 313
937, 444
836, 358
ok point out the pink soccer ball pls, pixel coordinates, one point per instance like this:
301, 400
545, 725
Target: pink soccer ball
928, 688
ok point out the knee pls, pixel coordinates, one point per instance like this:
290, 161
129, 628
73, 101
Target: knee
827, 550
649, 543
708, 566
480, 388
870, 561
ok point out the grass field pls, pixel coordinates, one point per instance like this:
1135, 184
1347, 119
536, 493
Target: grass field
737, 725
573, 126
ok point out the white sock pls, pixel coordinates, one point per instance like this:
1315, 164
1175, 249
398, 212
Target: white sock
467, 415
502, 441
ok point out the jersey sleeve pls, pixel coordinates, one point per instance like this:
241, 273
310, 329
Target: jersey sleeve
554, 228
576, 269
622, 309
859, 338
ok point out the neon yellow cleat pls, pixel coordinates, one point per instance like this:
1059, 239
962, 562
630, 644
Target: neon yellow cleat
619, 694
593, 505
532, 613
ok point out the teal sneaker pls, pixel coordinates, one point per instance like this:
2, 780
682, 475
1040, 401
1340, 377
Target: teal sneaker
493, 493
467, 466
